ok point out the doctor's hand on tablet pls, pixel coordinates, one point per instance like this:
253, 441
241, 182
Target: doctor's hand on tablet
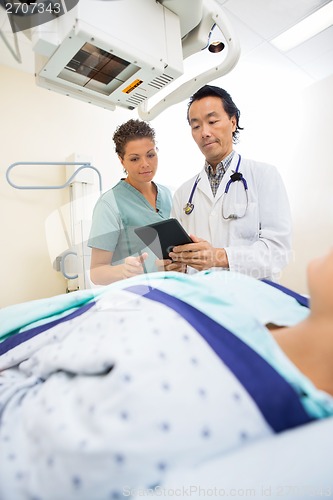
200, 255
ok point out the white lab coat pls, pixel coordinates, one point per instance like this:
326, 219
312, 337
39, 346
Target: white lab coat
259, 244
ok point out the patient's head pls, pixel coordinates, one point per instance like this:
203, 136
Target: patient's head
131, 131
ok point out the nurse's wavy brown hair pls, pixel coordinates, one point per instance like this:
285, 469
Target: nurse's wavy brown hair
228, 104
130, 131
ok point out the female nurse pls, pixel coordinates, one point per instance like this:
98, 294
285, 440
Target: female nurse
136, 200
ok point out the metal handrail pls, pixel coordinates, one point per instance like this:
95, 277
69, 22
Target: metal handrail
61, 186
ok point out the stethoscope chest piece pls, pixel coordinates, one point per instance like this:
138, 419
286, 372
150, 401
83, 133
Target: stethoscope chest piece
188, 209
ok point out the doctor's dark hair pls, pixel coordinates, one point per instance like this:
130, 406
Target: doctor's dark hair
228, 104
130, 131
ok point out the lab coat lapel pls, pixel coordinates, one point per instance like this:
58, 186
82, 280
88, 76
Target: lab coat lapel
204, 185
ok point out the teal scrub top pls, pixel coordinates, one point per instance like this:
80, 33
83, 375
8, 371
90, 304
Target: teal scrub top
118, 212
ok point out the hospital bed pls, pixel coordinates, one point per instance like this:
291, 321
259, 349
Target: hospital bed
122, 392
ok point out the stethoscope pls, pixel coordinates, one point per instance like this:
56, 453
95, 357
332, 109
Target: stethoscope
235, 176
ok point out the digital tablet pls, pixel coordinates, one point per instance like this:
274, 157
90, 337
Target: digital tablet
162, 236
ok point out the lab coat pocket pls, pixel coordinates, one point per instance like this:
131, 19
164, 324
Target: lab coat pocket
246, 226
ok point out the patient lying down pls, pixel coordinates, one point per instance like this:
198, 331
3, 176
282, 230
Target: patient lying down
113, 389
309, 344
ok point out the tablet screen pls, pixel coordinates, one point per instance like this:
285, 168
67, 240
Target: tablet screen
162, 236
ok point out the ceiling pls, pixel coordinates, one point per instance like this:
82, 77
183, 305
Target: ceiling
256, 22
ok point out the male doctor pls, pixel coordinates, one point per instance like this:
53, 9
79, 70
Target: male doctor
236, 210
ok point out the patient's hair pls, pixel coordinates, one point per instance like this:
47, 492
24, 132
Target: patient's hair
129, 131
228, 104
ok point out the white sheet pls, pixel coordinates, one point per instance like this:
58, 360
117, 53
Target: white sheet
293, 465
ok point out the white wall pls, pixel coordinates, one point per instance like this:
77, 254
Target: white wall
286, 123
38, 125
310, 179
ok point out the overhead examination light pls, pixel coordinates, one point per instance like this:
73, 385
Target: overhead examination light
110, 53
125, 52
